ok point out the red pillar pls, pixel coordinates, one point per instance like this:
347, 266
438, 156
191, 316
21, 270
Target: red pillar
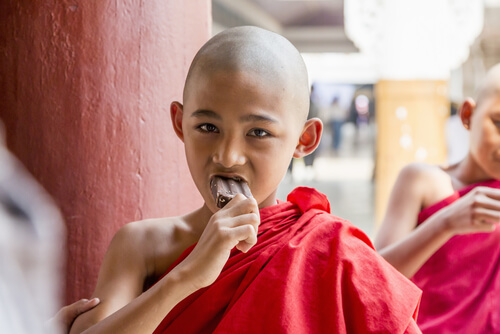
85, 88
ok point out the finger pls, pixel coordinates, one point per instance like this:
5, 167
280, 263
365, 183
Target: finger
246, 237
484, 215
243, 246
68, 313
493, 193
241, 205
244, 219
483, 200
88, 305
484, 226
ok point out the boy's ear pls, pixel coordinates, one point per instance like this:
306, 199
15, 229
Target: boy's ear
176, 116
466, 111
309, 138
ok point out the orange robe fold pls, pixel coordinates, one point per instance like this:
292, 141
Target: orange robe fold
461, 281
310, 272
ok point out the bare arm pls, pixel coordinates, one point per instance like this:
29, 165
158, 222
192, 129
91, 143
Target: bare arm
119, 288
408, 247
408, 254
144, 313
125, 309
398, 240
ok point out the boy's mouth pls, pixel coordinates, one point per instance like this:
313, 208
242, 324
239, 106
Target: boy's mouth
225, 188
235, 178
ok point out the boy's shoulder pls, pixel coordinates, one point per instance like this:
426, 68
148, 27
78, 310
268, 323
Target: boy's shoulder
422, 170
431, 182
318, 220
342, 252
154, 243
149, 229
152, 225
328, 233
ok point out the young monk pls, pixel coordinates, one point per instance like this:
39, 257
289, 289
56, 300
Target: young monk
257, 265
441, 226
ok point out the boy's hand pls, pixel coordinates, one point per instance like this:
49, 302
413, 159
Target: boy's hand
478, 211
235, 225
67, 314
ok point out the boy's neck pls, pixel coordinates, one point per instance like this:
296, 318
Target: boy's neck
468, 172
198, 219
269, 201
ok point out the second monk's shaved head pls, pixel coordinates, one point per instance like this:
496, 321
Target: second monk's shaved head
260, 52
490, 86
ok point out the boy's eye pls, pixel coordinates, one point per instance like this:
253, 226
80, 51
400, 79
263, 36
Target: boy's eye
258, 133
207, 127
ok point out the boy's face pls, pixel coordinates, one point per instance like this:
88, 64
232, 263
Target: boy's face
236, 124
485, 136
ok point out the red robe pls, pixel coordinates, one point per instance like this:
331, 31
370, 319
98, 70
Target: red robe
461, 281
310, 272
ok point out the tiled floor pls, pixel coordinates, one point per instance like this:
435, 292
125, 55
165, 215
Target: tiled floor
345, 177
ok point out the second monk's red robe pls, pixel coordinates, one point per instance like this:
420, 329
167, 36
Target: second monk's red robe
461, 281
310, 272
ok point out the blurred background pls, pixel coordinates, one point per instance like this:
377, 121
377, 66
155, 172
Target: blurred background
336, 39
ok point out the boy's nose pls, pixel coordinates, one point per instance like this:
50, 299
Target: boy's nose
230, 153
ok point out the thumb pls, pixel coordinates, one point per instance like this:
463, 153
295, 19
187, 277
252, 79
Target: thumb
68, 313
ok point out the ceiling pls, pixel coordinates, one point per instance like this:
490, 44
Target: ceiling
311, 25
318, 25
305, 13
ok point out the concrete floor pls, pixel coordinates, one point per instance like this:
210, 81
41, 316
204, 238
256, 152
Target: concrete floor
345, 177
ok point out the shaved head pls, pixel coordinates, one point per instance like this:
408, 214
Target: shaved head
257, 51
490, 86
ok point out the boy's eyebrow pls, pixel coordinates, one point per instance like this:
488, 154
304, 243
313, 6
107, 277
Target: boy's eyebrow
246, 118
206, 113
258, 118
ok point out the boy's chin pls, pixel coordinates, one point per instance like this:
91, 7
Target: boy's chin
211, 206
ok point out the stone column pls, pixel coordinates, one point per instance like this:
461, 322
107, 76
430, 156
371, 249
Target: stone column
85, 88
410, 119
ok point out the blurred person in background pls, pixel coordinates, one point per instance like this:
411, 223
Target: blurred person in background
31, 255
335, 116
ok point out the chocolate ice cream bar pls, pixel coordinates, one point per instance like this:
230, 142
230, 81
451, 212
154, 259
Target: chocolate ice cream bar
224, 189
